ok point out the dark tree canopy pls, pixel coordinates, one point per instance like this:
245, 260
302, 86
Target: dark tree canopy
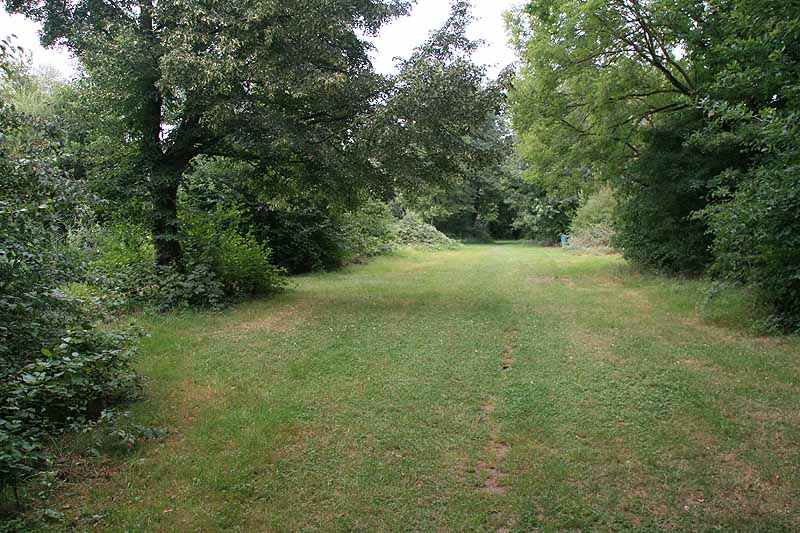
287, 86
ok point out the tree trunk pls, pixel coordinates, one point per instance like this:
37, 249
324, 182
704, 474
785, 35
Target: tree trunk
164, 196
476, 207
164, 175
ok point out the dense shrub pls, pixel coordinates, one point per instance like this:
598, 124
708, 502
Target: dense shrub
221, 263
755, 222
307, 237
220, 241
412, 231
124, 269
57, 369
306, 232
65, 386
593, 224
659, 195
304, 237
368, 231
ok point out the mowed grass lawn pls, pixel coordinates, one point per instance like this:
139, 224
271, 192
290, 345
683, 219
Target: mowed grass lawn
490, 388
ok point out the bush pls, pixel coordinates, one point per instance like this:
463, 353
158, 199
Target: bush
124, 268
411, 230
756, 224
62, 387
57, 369
304, 236
215, 242
593, 224
220, 264
306, 232
368, 231
307, 237
659, 194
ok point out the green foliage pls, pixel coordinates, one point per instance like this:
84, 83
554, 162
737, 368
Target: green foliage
121, 243
593, 76
308, 238
305, 232
412, 231
532, 212
470, 205
545, 218
595, 209
222, 263
304, 235
593, 223
305, 105
434, 122
752, 101
58, 369
658, 197
240, 262
63, 387
756, 223
368, 231
689, 107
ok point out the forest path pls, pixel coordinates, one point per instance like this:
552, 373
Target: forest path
490, 388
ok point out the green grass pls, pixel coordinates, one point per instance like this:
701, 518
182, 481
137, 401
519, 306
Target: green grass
375, 399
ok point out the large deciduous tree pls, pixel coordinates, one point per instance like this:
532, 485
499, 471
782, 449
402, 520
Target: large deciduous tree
285, 85
594, 74
691, 106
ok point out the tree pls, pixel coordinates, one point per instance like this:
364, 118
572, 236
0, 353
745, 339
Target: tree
594, 75
690, 108
287, 86
470, 202
751, 99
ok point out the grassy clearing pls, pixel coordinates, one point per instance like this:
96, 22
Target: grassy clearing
490, 388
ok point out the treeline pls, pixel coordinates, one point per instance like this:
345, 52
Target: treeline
204, 151
689, 110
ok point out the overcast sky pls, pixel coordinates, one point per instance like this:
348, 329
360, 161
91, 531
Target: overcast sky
396, 40
400, 37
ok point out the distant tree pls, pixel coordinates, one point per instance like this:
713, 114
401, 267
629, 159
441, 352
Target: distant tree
537, 214
470, 203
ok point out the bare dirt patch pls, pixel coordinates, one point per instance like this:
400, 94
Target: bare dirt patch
282, 322
417, 267
741, 488
596, 346
637, 299
541, 280
489, 470
507, 357
491, 476
567, 282
717, 333
279, 321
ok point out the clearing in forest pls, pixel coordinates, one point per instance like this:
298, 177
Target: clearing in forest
490, 388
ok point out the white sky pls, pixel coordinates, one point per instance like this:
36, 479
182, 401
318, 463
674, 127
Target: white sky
395, 40
399, 38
